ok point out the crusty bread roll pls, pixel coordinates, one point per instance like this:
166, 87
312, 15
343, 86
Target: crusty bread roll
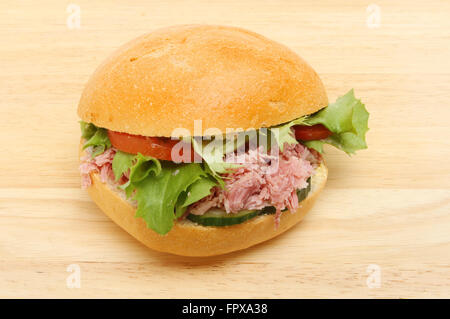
225, 76
190, 239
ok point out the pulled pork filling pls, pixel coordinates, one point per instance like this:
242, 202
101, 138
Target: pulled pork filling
261, 180
101, 164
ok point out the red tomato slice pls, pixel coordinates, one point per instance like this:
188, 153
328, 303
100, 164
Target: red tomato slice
310, 133
157, 147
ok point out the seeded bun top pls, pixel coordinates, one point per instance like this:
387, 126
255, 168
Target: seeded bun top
225, 76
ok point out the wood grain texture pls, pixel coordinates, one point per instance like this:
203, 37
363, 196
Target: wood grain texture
389, 205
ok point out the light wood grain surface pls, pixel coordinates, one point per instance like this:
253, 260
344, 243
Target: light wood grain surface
388, 206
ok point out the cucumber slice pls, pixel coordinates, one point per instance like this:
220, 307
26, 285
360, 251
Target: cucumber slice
303, 193
218, 217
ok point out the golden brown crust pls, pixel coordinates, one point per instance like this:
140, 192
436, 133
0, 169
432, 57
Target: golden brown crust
225, 76
190, 239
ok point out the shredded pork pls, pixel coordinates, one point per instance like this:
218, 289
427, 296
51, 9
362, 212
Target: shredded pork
100, 164
262, 180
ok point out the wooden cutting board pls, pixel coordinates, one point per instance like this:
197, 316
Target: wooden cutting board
380, 229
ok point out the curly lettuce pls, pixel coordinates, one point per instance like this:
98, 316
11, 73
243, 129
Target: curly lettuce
96, 137
162, 189
213, 154
347, 119
170, 191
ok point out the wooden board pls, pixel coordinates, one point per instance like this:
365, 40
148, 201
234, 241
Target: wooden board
387, 207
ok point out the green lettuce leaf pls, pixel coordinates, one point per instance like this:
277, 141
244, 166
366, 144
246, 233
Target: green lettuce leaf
283, 134
162, 189
197, 191
140, 167
87, 130
143, 167
347, 119
159, 196
213, 154
121, 163
201, 188
219, 180
96, 137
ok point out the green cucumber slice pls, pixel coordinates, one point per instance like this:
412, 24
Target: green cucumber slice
219, 217
303, 193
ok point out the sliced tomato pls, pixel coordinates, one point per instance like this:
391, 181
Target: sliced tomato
157, 147
310, 133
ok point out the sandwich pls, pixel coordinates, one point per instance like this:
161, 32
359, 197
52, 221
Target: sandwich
202, 140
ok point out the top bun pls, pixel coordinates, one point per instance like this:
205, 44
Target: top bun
225, 76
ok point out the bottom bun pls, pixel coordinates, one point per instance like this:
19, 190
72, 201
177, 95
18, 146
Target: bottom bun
190, 239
